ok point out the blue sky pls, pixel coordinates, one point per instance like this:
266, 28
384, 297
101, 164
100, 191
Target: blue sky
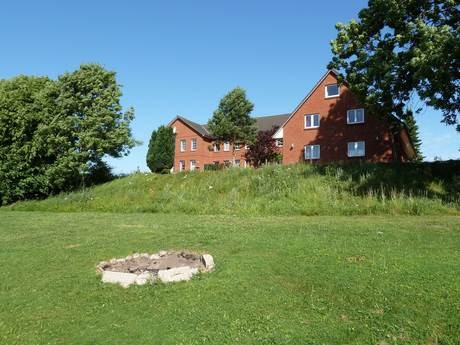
180, 56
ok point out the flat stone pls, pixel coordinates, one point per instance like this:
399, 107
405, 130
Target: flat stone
177, 274
121, 260
207, 261
145, 255
129, 257
124, 279
136, 255
154, 257
162, 253
143, 278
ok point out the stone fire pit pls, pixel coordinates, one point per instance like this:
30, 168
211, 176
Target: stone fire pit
165, 266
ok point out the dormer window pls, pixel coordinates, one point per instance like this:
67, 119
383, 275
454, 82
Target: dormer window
332, 90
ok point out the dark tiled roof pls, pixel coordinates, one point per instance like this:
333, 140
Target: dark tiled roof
263, 123
201, 129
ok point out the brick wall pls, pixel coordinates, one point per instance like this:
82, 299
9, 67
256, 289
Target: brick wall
334, 133
204, 154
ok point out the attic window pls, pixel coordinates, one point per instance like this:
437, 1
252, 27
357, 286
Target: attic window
332, 90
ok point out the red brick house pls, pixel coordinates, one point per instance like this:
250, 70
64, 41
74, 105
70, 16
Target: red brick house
328, 125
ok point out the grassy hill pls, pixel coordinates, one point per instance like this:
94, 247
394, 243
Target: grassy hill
291, 279
360, 189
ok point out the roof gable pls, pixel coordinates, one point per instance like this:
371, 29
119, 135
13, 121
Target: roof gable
312, 91
199, 129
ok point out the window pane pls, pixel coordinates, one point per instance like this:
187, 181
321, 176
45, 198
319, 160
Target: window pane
316, 120
312, 152
359, 115
316, 151
351, 116
308, 121
332, 90
307, 152
356, 149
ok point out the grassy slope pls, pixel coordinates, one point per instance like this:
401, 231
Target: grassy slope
275, 190
296, 280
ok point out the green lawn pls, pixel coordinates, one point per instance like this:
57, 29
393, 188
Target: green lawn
278, 280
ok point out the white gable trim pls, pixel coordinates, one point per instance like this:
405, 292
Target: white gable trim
278, 134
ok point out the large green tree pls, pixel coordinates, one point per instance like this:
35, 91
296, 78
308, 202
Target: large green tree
54, 134
160, 155
400, 51
232, 121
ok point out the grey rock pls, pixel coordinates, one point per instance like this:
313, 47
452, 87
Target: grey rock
154, 257
162, 253
143, 278
124, 279
177, 274
207, 261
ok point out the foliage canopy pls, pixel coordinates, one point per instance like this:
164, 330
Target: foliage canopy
402, 51
160, 155
55, 133
232, 121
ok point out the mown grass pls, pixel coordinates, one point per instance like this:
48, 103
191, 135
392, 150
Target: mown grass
278, 280
367, 189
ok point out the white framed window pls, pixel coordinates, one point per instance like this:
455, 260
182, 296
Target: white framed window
279, 142
312, 152
237, 162
356, 149
237, 147
194, 144
332, 90
181, 165
192, 165
183, 145
355, 116
312, 121
215, 147
226, 146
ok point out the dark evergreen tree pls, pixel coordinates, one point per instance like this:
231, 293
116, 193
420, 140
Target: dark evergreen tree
160, 155
412, 129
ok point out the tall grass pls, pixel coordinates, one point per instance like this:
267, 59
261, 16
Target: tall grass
275, 190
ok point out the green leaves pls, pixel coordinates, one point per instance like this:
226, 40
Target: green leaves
232, 121
399, 50
54, 134
160, 155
